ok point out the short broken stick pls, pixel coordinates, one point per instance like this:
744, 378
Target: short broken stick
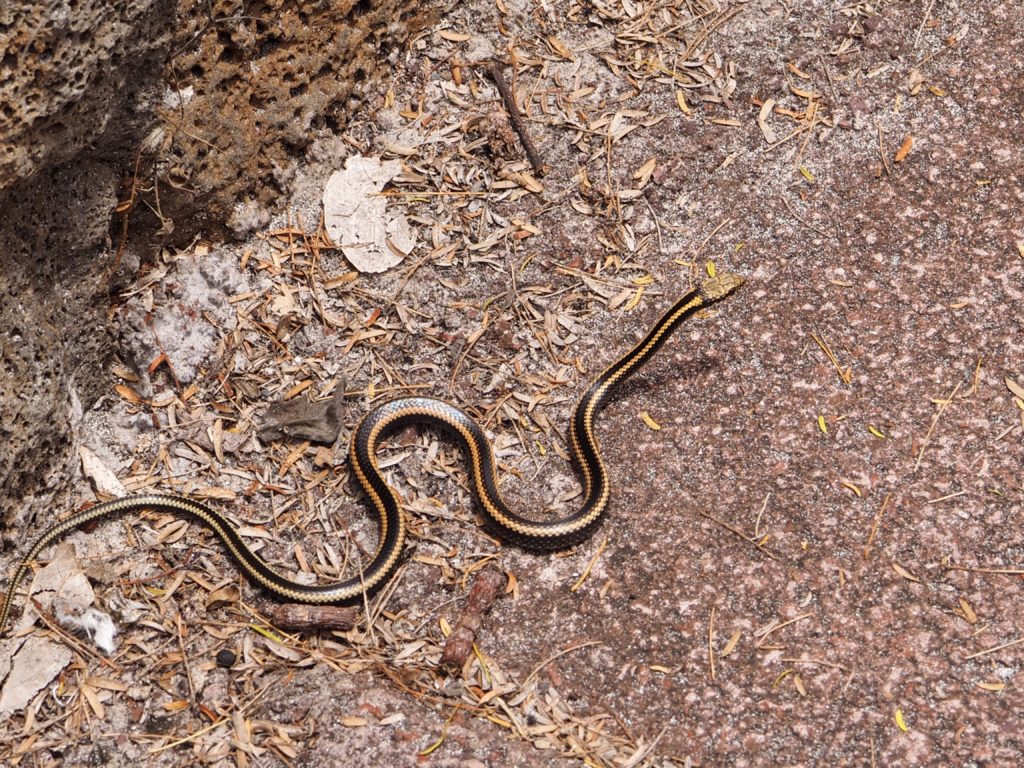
515, 116
485, 590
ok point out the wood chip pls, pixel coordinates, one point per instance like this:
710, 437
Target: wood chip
296, 617
487, 587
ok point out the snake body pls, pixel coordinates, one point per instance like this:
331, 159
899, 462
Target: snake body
375, 426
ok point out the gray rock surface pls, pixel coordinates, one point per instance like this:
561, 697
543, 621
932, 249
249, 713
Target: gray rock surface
227, 102
76, 78
71, 71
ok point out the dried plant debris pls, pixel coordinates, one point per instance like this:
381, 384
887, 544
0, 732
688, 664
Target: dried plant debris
33, 667
295, 617
372, 238
486, 587
319, 422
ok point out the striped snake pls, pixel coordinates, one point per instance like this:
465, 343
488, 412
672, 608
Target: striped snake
385, 419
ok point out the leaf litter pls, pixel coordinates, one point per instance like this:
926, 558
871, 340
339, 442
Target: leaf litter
461, 185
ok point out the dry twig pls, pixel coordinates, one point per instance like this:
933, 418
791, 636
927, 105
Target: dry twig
1000, 647
515, 116
485, 590
296, 617
935, 420
874, 525
741, 534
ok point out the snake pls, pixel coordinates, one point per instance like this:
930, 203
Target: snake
538, 535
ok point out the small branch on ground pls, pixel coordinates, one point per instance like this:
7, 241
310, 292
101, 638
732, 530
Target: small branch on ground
485, 590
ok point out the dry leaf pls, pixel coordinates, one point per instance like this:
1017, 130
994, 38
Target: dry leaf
804, 94
792, 67
643, 174
904, 150
343, 279
905, 573
107, 684
89, 694
123, 373
559, 48
635, 300
649, 421
356, 217
849, 484
1014, 387
512, 588
914, 82
224, 596
762, 121
103, 479
967, 612
129, 394
731, 645
900, 722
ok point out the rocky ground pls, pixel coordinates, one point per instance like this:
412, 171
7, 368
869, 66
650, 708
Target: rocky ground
814, 550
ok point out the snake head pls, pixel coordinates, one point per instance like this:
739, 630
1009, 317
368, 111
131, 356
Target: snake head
719, 286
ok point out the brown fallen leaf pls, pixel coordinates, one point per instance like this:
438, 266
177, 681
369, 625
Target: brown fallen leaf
905, 573
904, 150
967, 612
560, 49
1014, 387
226, 595
129, 394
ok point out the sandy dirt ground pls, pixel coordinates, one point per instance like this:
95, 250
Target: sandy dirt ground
814, 550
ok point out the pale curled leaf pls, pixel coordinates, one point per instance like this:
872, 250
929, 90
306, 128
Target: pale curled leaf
905, 573
36, 663
356, 217
103, 478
